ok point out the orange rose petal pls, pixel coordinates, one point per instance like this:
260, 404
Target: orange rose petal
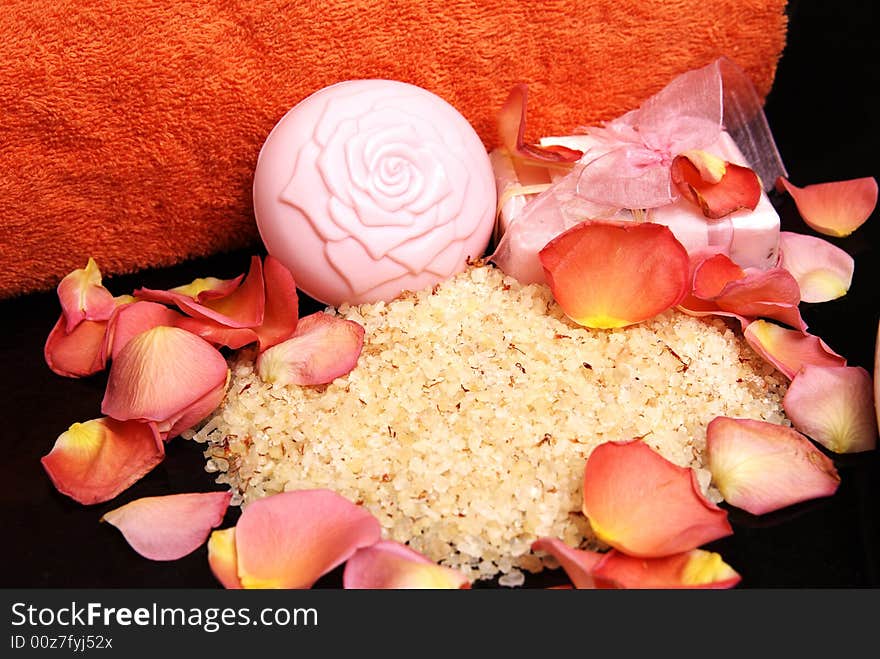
512, 127
169, 527
644, 505
834, 209
770, 293
789, 350
161, 373
83, 297
719, 188
578, 564
834, 406
222, 558
243, 307
761, 467
697, 568
216, 334
94, 461
197, 410
208, 288
79, 353
712, 274
322, 348
823, 272
131, 319
290, 540
607, 276
282, 305
391, 565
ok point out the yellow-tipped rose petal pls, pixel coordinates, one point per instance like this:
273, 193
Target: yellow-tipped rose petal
131, 319
322, 348
607, 276
289, 540
823, 272
719, 188
579, 564
389, 565
94, 461
834, 406
789, 350
163, 374
83, 297
223, 559
834, 209
697, 568
169, 527
761, 467
644, 505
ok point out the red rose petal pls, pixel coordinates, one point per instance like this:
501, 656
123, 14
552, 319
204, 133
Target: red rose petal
169, 527
391, 565
644, 505
289, 540
94, 461
834, 209
607, 276
717, 191
761, 467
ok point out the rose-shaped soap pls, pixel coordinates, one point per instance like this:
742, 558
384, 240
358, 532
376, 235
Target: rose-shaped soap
368, 188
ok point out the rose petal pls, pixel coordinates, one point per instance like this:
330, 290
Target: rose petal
608, 276
834, 406
282, 305
131, 319
761, 467
770, 293
169, 527
834, 209
712, 274
83, 297
223, 559
823, 272
391, 565
512, 127
577, 563
289, 540
203, 289
719, 188
322, 348
877, 374
697, 568
216, 334
94, 461
243, 307
644, 505
197, 410
789, 350
161, 373
79, 353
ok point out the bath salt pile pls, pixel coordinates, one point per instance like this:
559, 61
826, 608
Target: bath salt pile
465, 426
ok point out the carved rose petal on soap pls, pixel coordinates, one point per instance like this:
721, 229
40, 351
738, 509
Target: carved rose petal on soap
395, 188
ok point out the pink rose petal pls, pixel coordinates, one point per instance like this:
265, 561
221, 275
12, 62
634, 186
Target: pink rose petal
877, 375
216, 334
282, 305
169, 527
131, 319
823, 272
834, 406
289, 540
696, 568
578, 564
94, 461
160, 375
322, 348
83, 297
223, 559
79, 353
761, 467
391, 565
644, 505
834, 209
789, 350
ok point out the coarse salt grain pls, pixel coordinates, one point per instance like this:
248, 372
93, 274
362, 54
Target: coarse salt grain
466, 424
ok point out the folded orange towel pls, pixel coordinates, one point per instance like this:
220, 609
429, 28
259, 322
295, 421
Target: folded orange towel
129, 130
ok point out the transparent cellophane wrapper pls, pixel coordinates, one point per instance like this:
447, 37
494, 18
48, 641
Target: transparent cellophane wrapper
623, 175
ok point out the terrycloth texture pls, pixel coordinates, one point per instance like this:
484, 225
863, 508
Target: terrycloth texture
129, 129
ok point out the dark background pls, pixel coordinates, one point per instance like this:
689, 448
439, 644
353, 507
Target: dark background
821, 111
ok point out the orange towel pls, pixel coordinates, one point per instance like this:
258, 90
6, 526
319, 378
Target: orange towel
129, 130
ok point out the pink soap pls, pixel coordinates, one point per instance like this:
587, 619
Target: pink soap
368, 188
